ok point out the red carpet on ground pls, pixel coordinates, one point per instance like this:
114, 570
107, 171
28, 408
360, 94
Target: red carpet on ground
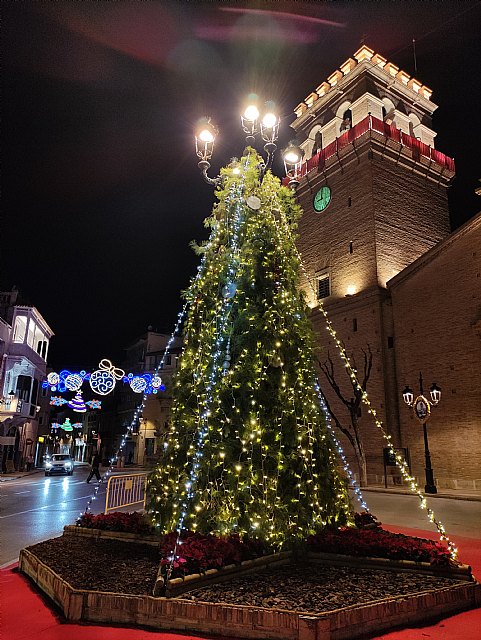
26, 614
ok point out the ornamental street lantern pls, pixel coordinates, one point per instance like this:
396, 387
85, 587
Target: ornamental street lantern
252, 123
421, 407
292, 156
408, 396
435, 392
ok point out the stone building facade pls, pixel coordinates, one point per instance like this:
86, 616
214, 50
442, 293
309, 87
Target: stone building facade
374, 194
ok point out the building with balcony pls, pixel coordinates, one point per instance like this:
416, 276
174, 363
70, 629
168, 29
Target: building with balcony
378, 252
24, 341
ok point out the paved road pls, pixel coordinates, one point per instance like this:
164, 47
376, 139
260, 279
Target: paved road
35, 508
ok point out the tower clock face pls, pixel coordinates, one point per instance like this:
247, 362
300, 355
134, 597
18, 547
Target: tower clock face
322, 199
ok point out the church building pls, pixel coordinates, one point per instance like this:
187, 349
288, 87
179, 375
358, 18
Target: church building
380, 257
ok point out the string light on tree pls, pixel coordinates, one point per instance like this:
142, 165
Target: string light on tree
233, 461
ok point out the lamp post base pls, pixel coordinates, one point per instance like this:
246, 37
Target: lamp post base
430, 488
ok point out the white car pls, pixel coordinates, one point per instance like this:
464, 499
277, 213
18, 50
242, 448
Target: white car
59, 463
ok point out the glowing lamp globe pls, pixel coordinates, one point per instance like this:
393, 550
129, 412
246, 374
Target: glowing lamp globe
269, 120
291, 157
251, 113
206, 136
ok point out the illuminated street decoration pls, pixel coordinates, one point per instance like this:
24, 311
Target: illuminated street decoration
157, 384
144, 383
94, 404
74, 381
103, 380
52, 379
67, 425
77, 403
138, 384
65, 380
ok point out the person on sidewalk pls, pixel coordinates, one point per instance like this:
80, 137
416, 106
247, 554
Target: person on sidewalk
94, 469
29, 462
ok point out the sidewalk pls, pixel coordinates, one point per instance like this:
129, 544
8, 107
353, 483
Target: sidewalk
28, 614
455, 494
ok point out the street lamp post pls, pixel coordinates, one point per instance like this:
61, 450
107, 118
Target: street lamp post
421, 407
253, 123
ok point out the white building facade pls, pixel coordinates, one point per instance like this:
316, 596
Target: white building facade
24, 343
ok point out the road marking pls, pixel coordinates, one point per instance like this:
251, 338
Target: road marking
47, 506
19, 493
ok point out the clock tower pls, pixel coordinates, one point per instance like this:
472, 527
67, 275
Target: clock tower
373, 190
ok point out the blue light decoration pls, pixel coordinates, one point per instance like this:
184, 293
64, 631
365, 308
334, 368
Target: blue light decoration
144, 383
57, 401
102, 382
220, 357
340, 451
94, 404
65, 380
77, 403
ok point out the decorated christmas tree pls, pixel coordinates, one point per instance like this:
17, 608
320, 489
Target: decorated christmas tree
248, 451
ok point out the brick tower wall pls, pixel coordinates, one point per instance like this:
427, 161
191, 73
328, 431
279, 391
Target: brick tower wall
437, 318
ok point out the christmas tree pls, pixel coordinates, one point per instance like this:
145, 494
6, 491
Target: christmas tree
248, 451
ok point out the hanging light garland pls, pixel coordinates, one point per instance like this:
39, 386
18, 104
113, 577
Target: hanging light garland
220, 363
400, 462
138, 411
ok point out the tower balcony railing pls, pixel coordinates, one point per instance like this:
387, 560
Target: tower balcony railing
417, 148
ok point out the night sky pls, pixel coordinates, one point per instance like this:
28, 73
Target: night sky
101, 194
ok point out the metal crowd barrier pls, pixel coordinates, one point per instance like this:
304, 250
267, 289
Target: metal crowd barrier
125, 491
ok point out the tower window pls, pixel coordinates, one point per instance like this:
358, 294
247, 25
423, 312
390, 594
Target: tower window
390, 342
349, 201
323, 286
351, 249
354, 324
346, 123
317, 144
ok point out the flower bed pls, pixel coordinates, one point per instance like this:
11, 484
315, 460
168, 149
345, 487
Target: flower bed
378, 543
198, 553
133, 522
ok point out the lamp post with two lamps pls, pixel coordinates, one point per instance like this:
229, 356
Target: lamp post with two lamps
421, 407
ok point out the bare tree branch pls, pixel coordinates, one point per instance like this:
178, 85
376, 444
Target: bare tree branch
327, 369
344, 430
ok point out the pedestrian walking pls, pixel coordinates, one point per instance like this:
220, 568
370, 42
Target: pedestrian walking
94, 467
29, 462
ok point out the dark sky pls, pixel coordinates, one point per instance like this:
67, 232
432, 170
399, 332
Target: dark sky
100, 190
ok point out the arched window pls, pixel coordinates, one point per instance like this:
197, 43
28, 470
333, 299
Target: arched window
313, 143
388, 113
317, 146
346, 123
414, 121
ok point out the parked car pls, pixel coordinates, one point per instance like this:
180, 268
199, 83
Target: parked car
59, 463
